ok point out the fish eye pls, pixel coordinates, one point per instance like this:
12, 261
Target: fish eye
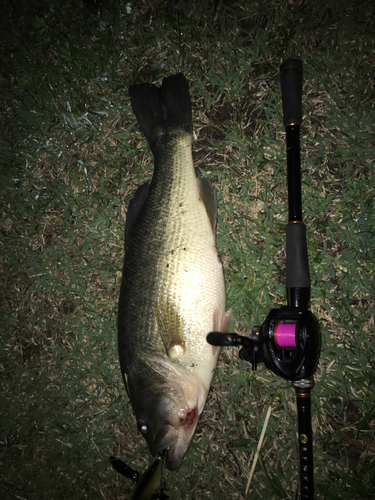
142, 427
182, 415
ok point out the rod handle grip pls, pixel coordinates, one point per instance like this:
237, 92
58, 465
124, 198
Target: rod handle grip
291, 91
297, 263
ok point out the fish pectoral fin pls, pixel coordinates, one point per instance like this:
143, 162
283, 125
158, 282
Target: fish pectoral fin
225, 321
134, 209
224, 327
208, 196
170, 327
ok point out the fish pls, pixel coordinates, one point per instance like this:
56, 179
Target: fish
172, 291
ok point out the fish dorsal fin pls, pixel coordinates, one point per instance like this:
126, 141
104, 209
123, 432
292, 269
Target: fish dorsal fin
134, 209
208, 196
170, 327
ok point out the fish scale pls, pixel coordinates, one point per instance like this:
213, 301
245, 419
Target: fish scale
172, 293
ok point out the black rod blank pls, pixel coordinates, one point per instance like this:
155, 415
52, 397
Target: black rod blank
305, 444
294, 172
291, 94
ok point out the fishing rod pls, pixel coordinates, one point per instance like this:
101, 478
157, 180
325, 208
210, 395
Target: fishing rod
289, 340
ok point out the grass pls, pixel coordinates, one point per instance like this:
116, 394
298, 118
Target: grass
71, 159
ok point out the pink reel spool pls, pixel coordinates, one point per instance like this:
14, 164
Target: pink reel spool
285, 334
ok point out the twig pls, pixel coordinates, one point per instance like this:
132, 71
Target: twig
260, 442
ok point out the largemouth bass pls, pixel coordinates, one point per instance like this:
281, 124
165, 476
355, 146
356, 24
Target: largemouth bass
172, 291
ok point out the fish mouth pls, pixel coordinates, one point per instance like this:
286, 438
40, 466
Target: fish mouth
172, 442
166, 444
165, 438
174, 457
168, 414
178, 447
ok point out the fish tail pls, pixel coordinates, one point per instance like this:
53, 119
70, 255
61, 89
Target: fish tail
162, 110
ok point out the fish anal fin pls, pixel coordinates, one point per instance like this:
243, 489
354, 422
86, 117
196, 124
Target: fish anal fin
170, 328
208, 196
134, 209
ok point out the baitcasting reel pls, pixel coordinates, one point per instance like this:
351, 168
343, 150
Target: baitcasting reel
288, 343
